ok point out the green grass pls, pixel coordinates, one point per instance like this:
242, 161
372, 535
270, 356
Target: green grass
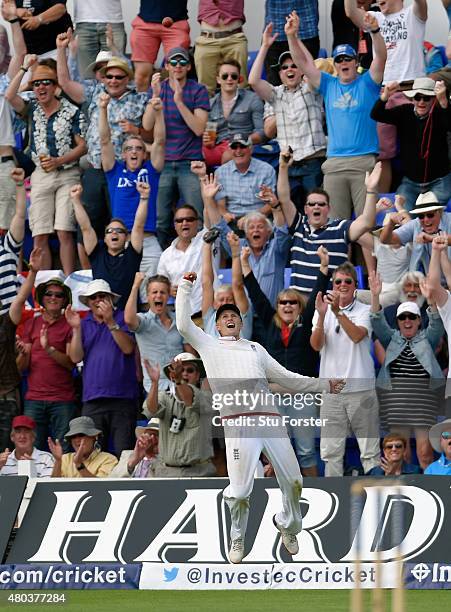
225, 601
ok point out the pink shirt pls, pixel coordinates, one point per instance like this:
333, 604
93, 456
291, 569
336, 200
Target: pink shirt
215, 11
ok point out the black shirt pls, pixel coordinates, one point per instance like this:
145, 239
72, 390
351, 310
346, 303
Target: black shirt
43, 39
118, 270
154, 11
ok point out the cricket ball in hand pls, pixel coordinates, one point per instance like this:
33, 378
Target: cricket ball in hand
167, 22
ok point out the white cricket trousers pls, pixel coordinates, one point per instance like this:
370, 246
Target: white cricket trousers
242, 457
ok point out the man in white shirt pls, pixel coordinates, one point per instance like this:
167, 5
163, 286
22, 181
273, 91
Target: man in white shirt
240, 370
23, 435
342, 334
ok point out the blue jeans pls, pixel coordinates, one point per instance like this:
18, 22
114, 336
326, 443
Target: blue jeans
303, 179
410, 190
92, 39
176, 181
52, 418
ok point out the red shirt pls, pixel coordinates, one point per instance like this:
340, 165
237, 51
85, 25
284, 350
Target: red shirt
213, 11
47, 380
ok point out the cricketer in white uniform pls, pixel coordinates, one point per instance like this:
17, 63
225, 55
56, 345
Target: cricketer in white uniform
233, 363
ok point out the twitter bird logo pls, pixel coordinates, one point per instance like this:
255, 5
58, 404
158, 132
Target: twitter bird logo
171, 575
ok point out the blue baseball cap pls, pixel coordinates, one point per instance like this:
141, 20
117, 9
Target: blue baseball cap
344, 50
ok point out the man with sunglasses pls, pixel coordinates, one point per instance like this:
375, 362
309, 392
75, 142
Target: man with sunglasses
233, 109
299, 118
185, 107
392, 462
430, 221
423, 129
352, 138
57, 141
440, 438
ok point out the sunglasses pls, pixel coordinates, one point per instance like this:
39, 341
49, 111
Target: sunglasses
45, 82
321, 204
238, 145
396, 445
347, 281
233, 75
288, 66
422, 98
115, 230
446, 435
290, 302
407, 316
56, 294
187, 219
117, 77
134, 148
178, 62
98, 296
428, 215
343, 58
189, 370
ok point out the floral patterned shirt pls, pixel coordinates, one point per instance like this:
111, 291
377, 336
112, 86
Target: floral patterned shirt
130, 106
54, 135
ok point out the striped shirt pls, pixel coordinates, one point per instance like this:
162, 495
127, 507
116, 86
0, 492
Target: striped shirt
9, 258
299, 116
305, 262
276, 12
181, 142
43, 462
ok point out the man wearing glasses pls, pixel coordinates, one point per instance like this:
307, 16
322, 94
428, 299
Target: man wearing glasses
57, 135
185, 107
440, 439
342, 335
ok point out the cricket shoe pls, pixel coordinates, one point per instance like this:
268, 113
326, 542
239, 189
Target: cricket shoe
289, 540
236, 552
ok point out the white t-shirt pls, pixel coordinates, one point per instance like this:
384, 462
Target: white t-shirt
98, 11
445, 313
6, 115
343, 358
404, 34
392, 262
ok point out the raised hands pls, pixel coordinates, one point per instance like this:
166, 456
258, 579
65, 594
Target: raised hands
35, 260
76, 192
292, 24
209, 186
323, 255
375, 283
389, 89
18, 176
152, 370
55, 448
234, 243
104, 100
372, 179
155, 84
72, 317
268, 37
143, 189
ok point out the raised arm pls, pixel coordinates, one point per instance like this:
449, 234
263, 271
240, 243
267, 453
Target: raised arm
9, 13
106, 146
130, 313
137, 234
379, 48
11, 94
260, 302
354, 13
387, 234
88, 233
157, 153
261, 87
239, 293
207, 278
367, 219
420, 9
73, 89
17, 225
15, 310
283, 188
154, 375
299, 52
75, 351
192, 334
438, 293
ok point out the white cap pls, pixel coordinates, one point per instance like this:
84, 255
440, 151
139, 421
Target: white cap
408, 307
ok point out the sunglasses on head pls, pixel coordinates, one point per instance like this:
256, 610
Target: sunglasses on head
178, 62
56, 294
290, 302
115, 230
396, 445
422, 98
233, 75
446, 435
288, 66
43, 82
347, 281
188, 219
428, 215
134, 148
407, 315
238, 145
321, 204
117, 77
343, 58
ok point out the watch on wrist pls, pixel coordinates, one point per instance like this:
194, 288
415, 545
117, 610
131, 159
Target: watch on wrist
115, 327
81, 467
375, 31
15, 20
51, 350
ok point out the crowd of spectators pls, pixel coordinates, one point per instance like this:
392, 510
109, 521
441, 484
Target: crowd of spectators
124, 175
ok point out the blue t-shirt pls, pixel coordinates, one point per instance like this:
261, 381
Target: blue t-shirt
351, 130
124, 196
